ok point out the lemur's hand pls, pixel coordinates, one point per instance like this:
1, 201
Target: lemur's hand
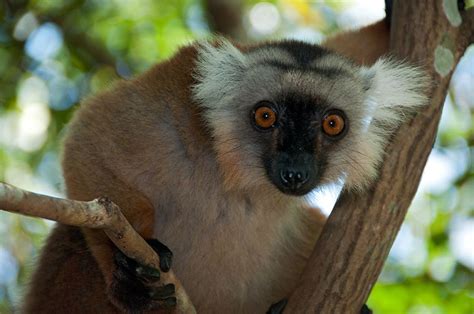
136, 288
278, 308
365, 310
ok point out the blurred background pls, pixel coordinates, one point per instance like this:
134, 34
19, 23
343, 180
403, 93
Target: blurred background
54, 53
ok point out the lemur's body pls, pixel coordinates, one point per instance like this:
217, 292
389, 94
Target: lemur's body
239, 243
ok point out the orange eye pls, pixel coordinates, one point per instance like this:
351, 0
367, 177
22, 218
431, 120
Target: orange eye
333, 124
265, 117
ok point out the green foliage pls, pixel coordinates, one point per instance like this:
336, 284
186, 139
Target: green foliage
89, 44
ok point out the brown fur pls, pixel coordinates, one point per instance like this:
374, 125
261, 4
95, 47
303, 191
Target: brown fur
111, 150
364, 46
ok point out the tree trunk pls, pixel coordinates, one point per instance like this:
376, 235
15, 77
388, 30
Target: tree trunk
356, 240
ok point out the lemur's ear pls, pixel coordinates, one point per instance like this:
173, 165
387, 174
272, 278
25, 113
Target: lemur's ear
219, 69
394, 90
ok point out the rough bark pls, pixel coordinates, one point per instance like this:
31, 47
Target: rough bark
356, 240
100, 213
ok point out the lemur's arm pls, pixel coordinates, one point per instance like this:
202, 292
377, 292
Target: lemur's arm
365, 45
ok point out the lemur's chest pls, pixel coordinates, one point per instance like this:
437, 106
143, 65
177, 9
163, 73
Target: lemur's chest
237, 259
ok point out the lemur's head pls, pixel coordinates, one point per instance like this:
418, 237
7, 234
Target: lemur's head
297, 115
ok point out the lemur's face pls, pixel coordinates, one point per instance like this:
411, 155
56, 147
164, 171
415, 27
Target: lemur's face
293, 115
296, 136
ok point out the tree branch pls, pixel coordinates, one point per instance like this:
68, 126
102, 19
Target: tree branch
100, 213
356, 240
225, 18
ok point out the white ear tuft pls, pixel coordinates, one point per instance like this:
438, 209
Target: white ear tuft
219, 69
394, 92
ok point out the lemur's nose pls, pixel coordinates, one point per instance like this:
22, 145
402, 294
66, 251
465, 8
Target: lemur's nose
293, 178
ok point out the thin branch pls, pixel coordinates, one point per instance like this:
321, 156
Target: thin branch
100, 213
